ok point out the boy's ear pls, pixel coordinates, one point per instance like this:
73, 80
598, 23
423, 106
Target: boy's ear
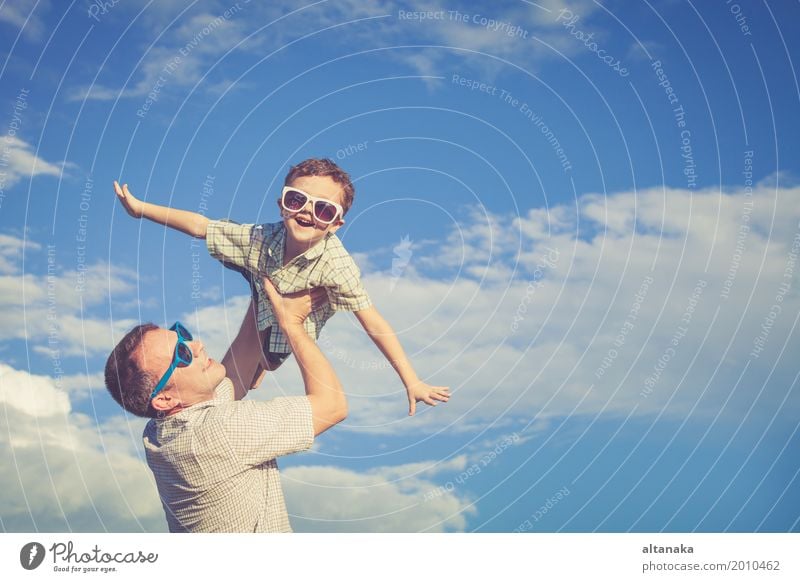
336, 226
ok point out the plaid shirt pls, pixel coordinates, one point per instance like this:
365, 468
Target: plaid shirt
259, 249
214, 462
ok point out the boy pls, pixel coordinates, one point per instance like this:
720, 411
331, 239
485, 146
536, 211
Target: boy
301, 252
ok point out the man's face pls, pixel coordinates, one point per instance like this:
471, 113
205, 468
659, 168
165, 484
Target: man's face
301, 228
188, 385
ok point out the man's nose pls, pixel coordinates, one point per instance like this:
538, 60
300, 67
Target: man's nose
197, 347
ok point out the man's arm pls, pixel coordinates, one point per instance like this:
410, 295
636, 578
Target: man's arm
382, 334
324, 391
191, 223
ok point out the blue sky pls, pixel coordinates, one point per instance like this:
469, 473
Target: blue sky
581, 216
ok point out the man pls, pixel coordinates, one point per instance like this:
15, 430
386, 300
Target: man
212, 455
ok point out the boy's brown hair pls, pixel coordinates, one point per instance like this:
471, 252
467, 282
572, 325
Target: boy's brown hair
128, 384
324, 167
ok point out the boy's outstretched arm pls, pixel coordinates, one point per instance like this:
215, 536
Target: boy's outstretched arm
384, 337
191, 223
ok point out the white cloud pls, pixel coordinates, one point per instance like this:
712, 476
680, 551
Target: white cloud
50, 311
34, 395
184, 54
11, 251
521, 336
378, 26
73, 335
66, 472
383, 499
26, 15
571, 296
80, 385
63, 472
22, 162
517, 34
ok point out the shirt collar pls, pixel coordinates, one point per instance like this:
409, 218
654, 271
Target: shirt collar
317, 250
222, 393
277, 244
277, 247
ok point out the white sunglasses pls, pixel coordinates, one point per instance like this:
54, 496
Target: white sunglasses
325, 211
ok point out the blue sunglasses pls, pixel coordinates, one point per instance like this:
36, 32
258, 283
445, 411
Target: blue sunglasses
182, 358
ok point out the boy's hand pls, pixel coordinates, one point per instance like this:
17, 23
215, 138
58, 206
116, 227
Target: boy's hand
133, 205
422, 392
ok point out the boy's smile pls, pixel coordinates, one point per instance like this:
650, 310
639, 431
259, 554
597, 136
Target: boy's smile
303, 220
302, 230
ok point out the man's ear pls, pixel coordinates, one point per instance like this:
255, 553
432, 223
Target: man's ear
164, 400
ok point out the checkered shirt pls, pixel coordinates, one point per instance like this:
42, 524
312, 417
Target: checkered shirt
259, 249
214, 462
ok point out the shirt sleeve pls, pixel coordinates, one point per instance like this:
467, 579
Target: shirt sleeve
260, 431
230, 242
345, 290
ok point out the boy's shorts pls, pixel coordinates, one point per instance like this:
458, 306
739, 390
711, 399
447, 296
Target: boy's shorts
275, 359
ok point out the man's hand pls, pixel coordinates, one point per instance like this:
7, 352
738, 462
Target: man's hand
133, 205
422, 392
293, 308
324, 391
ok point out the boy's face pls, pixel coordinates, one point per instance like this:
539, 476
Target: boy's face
301, 227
